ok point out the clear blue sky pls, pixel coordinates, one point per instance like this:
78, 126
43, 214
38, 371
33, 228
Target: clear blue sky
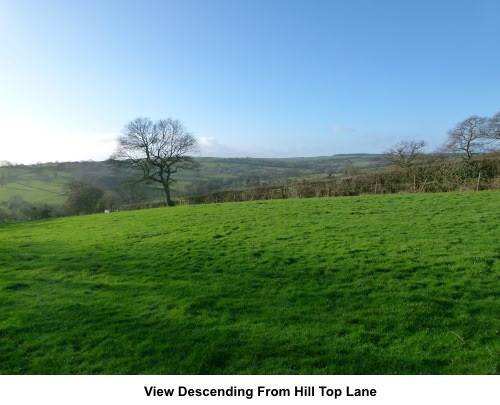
248, 78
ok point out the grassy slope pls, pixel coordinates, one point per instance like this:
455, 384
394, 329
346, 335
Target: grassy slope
26, 181
364, 285
34, 191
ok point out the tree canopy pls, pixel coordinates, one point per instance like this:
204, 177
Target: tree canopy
404, 154
156, 151
474, 135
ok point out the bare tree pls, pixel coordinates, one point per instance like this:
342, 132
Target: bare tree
132, 192
494, 127
405, 154
157, 150
468, 137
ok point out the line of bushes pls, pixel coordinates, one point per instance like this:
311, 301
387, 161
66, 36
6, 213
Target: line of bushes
451, 175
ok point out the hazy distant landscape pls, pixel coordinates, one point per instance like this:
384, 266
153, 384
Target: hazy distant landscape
49, 190
45, 183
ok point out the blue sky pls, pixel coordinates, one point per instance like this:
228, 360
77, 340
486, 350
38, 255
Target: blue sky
248, 78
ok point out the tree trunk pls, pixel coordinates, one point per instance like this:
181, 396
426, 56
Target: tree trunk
170, 203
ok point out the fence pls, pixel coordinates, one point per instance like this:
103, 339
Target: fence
449, 176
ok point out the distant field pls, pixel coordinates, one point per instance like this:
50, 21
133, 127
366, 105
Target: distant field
45, 182
394, 284
42, 184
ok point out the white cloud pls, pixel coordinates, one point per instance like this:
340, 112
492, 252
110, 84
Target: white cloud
24, 141
297, 147
210, 147
208, 142
341, 129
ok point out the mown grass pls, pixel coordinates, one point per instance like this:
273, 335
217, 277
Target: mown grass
398, 284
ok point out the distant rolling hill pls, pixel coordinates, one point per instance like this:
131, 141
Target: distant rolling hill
45, 182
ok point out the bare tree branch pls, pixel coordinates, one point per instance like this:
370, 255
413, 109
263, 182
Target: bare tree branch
493, 132
405, 154
468, 137
494, 126
158, 150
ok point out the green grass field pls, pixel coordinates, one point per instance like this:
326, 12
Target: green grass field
397, 284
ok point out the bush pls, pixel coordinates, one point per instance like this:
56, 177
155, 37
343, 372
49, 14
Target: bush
448, 175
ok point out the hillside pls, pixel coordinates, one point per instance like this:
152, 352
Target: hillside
45, 181
393, 284
40, 191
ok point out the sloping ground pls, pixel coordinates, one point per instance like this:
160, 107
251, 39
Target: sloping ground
32, 188
44, 182
445, 176
394, 284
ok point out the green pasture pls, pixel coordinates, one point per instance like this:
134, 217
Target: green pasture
34, 191
42, 183
396, 284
